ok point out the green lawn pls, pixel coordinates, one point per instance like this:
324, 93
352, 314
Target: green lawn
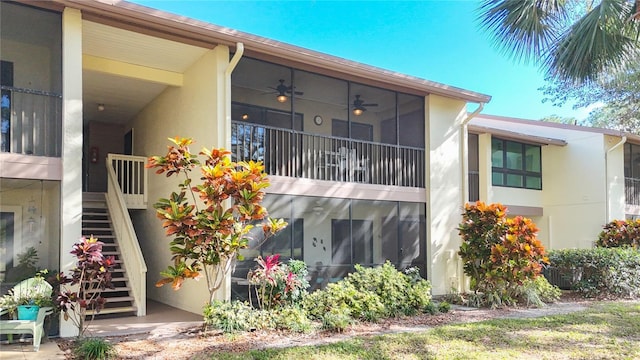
607, 331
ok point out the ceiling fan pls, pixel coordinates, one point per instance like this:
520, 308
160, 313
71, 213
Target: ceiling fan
282, 90
359, 106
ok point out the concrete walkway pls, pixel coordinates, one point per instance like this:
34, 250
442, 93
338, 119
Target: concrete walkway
161, 320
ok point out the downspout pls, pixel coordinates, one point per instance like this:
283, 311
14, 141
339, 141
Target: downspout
464, 165
227, 89
606, 176
227, 126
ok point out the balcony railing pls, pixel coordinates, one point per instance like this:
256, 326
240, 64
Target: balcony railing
474, 186
130, 176
31, 122
296, 154
632, 191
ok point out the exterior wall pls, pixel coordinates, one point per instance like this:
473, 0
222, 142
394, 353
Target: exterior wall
582, 188
197, 110
44, 233
71, 188
108, 138
444, 191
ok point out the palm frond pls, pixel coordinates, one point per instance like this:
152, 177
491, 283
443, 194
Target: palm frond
601, 40
524, 29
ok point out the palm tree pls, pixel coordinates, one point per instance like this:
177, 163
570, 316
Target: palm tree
573, 40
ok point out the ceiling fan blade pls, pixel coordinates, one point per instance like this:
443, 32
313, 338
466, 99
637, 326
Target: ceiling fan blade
369, 104
299, 93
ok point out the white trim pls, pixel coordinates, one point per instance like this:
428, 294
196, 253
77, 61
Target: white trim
343, 190
17, 228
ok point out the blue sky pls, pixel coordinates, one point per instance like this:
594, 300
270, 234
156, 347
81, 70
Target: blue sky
435, 40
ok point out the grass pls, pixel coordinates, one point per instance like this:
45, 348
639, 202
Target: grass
607, 331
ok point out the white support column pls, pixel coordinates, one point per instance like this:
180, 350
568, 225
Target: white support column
71, 193
444, 191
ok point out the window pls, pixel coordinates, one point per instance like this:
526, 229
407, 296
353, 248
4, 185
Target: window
6, 79
516, 164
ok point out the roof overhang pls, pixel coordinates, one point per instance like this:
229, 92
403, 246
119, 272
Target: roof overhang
512, 135
194, 32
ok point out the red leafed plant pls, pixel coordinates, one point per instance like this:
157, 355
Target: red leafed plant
209, 222
620, 233
500, 254
277, 284
82, 289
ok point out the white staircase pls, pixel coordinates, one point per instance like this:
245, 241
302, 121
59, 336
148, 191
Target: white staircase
96, 221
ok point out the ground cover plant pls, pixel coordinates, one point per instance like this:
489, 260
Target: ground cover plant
502, 256
607, 331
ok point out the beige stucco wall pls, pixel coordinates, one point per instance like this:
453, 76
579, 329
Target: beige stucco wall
576, 189
444, 191
194, 110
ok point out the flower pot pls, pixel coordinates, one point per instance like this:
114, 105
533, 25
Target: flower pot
28, 312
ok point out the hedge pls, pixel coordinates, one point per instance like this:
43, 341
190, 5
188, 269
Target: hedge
611, 272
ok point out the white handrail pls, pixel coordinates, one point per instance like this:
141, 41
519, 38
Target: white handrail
131, 177
129, 247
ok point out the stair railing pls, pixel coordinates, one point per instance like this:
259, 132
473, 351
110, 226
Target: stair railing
127, 240
131, 177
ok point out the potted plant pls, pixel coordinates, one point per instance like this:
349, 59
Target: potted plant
27, 297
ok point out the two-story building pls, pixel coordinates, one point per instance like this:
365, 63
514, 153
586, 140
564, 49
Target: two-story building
365, 164
571, 180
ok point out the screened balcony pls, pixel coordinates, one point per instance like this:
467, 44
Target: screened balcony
303, 124
632, 191
31, 122
297, 154
30, 80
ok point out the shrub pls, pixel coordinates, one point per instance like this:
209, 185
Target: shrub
370, 294
81, 290
292, 318
444, 307
278, 284
337, 319
230, 316
538, 291
239, 316
619, 233
613, 272
94, 349
499, 254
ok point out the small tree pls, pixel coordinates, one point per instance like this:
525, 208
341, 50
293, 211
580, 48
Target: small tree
209, 233
82, 289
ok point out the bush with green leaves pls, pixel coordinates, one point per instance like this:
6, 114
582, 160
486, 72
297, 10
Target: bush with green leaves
238, 316
538, 292
620, 233
337, 319
94, 349
292, 318
610, 272
370, 294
